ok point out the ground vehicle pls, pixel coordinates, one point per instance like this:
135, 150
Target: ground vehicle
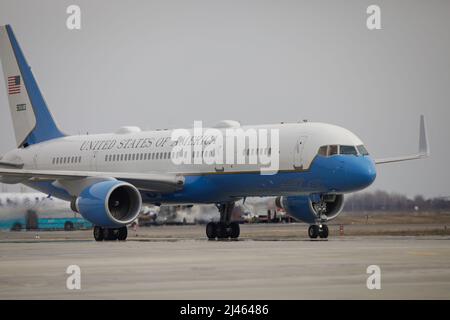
33, 222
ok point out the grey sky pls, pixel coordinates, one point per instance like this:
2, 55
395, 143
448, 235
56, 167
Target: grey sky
167, 63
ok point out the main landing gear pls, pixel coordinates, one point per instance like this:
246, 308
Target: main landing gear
110, 234
223, 229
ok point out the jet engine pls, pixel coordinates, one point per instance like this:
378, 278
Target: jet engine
109, 203
310, 208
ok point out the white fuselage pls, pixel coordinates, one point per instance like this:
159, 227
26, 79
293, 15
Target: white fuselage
147, 151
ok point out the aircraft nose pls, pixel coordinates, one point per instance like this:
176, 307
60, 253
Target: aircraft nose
363, 172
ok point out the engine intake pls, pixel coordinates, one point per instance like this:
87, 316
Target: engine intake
307, 210
109, 203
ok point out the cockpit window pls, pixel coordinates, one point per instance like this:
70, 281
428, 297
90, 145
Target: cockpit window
323, 151
348, 150
362, 150
332, 150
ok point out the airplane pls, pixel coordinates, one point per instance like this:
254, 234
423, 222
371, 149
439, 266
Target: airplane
107, 177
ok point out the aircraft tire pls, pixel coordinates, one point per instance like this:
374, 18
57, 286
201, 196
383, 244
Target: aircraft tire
109, 234
235, 230
98, 233
313, 231
323, 232
122, 234
221, 230
211, 230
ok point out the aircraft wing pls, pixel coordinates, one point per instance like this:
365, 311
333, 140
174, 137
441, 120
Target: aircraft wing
8, 164
143, 181
424, 150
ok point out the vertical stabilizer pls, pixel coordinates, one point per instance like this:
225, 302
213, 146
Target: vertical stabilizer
32, 121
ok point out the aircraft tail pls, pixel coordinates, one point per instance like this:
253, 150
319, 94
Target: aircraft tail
32, 121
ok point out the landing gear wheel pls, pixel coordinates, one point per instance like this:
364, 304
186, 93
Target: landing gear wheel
313, 231
235, 230
122, 234
98, 233
323, 232
110, 234
221, 230
211, 230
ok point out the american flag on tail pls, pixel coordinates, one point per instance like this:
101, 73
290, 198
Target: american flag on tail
14, 85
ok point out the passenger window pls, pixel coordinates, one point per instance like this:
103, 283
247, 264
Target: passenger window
332, 150
323, 151
348, 150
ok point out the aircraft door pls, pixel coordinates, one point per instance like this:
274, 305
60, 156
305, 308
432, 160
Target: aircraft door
35, 161
93, 162
298, 152
36, 157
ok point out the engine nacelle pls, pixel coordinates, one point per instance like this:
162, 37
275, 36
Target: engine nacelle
306, 209
109, 203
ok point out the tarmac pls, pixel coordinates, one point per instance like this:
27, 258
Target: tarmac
268, 262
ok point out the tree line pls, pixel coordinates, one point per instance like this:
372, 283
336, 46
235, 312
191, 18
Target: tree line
385, 201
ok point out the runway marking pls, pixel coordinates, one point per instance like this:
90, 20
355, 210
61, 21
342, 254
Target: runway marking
423, 253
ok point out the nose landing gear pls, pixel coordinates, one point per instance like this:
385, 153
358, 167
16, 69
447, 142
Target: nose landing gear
315, 231
319, 229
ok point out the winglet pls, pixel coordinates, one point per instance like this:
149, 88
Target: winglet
424, 150
423, 139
